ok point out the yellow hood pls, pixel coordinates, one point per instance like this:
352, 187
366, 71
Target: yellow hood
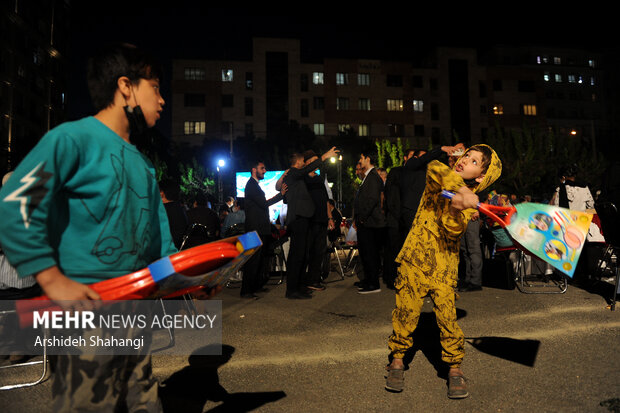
493, 172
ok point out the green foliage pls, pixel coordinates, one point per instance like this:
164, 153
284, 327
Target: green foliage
195, 179
531, 161
161, 168
389, 154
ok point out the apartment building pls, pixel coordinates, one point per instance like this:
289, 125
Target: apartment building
368, 98
33, 70
446, 95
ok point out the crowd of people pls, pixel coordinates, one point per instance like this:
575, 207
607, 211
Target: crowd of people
87, 185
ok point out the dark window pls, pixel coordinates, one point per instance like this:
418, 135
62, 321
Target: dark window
304, 108
434, 111
396, 130
318, 103
417, 81
249, 81
249, 107
303, 82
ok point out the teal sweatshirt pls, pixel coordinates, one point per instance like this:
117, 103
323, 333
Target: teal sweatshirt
87, 201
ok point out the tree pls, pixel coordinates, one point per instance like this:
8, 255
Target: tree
531, 160
390, 154
194, 180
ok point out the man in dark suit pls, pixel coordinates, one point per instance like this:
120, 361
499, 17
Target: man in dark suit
320, 222
300, 208
370, 222
413, 181
170, 192
257, 219
393, 242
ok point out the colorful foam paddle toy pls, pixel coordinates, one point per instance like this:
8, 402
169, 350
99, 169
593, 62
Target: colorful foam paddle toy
204, 266
555, 235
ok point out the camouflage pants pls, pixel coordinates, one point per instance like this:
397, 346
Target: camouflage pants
120, 382
411, 288
103, 383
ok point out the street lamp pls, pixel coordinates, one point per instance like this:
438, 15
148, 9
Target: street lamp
339, 166
220, 164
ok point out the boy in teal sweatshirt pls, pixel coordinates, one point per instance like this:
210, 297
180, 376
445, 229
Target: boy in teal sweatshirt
84, 206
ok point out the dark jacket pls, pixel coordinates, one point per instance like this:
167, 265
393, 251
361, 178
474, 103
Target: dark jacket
318, 193
412, 183
367, 205
297, 196
392, 196
177, 218
257, 208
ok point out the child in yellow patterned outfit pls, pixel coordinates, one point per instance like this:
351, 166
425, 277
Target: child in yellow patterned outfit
429, 261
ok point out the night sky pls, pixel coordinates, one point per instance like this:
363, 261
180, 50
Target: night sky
184, 29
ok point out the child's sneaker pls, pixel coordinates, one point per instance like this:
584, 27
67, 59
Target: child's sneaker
457, 387
395, 380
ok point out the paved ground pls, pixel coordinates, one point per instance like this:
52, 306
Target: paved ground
525, 353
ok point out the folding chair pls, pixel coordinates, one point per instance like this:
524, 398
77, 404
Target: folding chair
528, 280
204, 236
610, 225
43, 362
277, 258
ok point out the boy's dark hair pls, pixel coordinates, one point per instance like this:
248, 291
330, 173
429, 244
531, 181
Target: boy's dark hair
112, 62
486, 155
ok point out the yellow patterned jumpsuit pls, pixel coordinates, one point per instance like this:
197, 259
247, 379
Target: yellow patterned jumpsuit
429, 263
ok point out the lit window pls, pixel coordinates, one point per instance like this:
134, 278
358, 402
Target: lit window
319, 129
558, 78
580, 79
227, 75
591, 63
546, 77
572, 79
194, 73
194, 128
343, 127
498, 109
363, 79
364, 104
317, 78
557, 61
592, 81
529, 110
418, 105
395, 105
342, 78
342, 104
362, 130
538, 59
